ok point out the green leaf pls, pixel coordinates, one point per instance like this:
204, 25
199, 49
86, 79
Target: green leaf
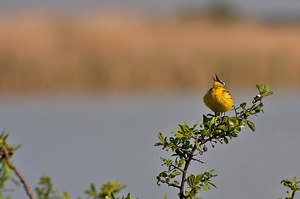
93, 188
233, 135
178, 135
184, 127
212, 121
205, 186
197, 144
175, 182
110, 188
180, 163
222, 127
205, 119
167, 162
258, 87
176, 173
200, 177
205, 132
213, 185
251, 125
243, 105
243, 122
264, 89
191, 180
66, 195
233, 122
196, 124
225, 140
163, 174
268, 93
161, 137
156, 144
7, 168
127, 197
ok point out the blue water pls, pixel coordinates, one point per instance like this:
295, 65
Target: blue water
92, 138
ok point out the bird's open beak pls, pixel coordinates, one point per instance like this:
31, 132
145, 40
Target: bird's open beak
217, 78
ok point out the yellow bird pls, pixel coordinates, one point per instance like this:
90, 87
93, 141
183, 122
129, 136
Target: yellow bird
218, 98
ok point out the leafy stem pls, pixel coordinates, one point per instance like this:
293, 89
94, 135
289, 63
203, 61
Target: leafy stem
188, 143
293, 184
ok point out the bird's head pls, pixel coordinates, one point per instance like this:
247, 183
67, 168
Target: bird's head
218, 82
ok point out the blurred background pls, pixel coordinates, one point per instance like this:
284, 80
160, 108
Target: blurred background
86, 85
109, 46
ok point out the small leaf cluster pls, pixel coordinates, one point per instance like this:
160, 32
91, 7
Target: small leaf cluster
46, 190
185, 144
293, 184
242, 112
189, 142
199, 182
107, 191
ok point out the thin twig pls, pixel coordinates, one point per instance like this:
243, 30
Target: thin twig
176, 167
18, 174
197, 160
172, 185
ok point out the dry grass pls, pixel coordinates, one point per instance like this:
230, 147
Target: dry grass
40, 53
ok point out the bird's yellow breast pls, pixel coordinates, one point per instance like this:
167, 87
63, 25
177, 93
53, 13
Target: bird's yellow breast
218, 99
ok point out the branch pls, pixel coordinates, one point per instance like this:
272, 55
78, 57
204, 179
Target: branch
197, 160
18, 174
172, 185
183, 178
176, 167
